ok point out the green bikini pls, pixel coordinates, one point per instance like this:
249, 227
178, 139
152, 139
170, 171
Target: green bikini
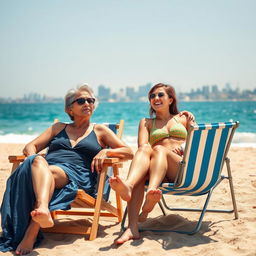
178, 131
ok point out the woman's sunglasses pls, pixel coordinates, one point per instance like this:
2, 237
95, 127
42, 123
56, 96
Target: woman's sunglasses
153, 95
81, 101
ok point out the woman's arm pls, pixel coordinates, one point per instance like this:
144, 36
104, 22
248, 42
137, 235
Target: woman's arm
187, 119
42, 140
143, 133
113, 147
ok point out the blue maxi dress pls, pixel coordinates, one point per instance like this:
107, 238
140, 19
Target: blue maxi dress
19, 198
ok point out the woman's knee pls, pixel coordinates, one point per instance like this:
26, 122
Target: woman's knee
158, 149
39, 161
145, 148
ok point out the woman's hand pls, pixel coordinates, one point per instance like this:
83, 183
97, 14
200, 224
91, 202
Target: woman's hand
178, 151
189, 115
97, 162
29, 150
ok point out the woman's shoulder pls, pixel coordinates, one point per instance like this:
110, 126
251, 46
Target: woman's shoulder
101, 128
58, 127
147, 122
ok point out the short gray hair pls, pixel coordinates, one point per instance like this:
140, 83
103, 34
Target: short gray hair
71, 95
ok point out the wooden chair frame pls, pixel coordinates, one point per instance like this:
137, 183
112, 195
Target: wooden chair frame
85, 201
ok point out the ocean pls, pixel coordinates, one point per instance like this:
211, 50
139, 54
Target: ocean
19, 123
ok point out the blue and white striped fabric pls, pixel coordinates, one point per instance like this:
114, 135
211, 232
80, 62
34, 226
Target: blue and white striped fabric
205, 151
112, 127
106, 192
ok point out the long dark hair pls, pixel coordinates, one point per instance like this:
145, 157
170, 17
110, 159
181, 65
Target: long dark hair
173, 109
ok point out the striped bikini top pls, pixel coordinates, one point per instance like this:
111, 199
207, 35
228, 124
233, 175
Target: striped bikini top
178, 131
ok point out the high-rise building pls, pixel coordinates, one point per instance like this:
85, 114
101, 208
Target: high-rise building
103, 92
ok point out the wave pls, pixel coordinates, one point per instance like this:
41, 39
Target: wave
241, 139
17, 138
244, 139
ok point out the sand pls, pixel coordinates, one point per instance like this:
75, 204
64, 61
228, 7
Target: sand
220, 234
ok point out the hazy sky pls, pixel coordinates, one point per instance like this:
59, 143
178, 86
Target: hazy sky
49, 46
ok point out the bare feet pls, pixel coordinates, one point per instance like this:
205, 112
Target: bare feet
152, 198
121, 188
43, 217
27, 243
128, 234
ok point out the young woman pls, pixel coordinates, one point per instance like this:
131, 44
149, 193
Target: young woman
40, 185
157, 158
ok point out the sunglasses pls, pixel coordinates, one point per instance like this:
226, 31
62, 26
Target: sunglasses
153, 95
81, 101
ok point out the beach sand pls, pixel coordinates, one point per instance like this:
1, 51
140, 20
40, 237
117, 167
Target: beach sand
220, 234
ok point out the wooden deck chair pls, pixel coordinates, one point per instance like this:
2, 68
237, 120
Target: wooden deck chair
86, 205
199, 172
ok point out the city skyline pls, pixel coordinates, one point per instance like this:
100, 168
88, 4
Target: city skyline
51, 46
129, 94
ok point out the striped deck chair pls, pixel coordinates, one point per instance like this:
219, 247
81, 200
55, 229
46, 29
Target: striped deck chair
199, 172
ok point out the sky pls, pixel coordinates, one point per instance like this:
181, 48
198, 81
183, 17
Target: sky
51, 46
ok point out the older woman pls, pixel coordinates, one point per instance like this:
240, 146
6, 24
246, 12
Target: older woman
157, 158
40, 185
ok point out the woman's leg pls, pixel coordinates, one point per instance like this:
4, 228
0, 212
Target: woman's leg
44, 178
138, 170
164, 163
134, 206
43, 185
27, 243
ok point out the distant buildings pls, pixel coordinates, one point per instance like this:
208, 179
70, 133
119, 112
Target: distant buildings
32, 98
212, 93
127, 94
205, 93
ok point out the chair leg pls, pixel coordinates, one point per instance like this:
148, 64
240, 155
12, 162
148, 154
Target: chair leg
230, 179
124, 219
118, 198
98, 204
197, 227
162, 208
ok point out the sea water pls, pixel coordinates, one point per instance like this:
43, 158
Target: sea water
19, 123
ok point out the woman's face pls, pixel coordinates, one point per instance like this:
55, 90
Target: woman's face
83, 105
159, 99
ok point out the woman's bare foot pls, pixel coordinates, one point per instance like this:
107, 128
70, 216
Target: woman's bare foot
43, 217
128, 234
121, 188
152, 198
27, 243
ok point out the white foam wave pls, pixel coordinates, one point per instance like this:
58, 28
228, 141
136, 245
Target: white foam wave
244, 139
17, 138
241, 139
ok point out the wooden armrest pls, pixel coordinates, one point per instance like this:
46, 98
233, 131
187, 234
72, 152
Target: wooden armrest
114, 160
19, 158
107, 161
13, 159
